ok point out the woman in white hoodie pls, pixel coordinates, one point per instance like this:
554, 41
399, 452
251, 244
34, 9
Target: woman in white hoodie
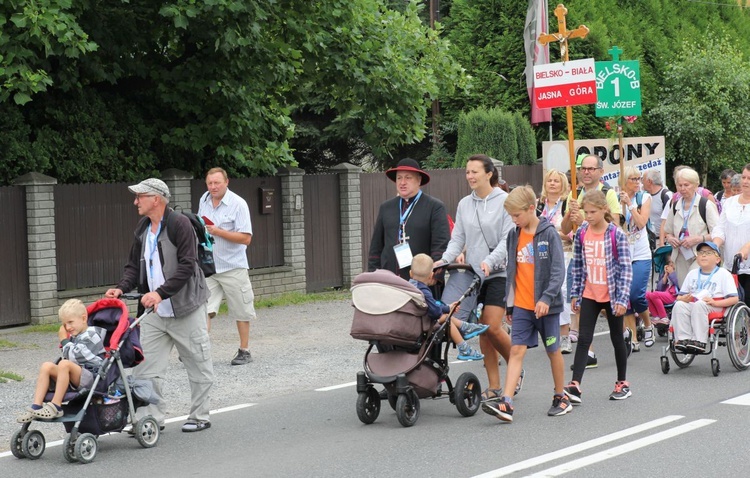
481, 228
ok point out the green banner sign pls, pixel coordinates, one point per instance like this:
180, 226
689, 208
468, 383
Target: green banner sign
618, 88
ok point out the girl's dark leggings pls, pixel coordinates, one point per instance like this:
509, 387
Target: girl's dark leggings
589, 311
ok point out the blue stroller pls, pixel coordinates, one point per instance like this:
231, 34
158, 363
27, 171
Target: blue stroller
111, 402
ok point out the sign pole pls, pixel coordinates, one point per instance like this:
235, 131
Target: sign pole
562, 36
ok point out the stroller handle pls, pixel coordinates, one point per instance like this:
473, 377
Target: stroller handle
136, 296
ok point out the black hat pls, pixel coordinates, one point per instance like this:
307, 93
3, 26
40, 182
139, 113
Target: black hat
408, 164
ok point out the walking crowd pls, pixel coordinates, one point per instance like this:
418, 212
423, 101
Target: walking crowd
551, 266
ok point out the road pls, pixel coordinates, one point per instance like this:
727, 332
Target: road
680, 424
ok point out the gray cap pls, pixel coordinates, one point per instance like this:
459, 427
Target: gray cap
150, 186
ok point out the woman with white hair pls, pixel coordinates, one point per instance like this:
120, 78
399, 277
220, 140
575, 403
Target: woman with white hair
690, 221
733, 230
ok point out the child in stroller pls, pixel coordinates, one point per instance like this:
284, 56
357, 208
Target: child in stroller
421, 274
412, 350
664, 296
89, 406
82, 352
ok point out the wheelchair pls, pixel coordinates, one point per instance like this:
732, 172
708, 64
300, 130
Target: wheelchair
729, 328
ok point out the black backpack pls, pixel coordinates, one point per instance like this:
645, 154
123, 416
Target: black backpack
204, 239
701, 209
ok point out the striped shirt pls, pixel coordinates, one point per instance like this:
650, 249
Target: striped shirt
86, 349
232, 214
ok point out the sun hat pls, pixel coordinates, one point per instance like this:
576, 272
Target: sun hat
408, 164
150, 186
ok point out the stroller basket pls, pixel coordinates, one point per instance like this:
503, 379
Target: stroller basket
100, 418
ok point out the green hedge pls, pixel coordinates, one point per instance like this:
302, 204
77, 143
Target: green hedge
496, 133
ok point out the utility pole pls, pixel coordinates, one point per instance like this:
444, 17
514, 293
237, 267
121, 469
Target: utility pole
434, 6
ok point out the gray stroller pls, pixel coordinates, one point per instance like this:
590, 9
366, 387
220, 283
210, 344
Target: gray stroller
412, 351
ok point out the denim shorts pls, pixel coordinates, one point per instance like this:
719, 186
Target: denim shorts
527, 329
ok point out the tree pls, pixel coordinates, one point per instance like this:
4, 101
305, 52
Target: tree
487, 131
216, 81
704, 106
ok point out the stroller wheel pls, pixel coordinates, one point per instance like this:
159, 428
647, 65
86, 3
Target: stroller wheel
467, 394
147, 432
16, 443
33, 444
368, 405
69, 451
85, 448
407, 408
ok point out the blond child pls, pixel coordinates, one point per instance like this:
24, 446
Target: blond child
421, 275
82, 355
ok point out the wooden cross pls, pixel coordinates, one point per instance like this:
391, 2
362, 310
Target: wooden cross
563, 34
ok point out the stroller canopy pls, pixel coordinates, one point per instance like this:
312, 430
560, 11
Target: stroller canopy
382, 292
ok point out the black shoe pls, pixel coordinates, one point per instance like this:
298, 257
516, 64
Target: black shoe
383, 394
242, 357
591, 362
696, 347
196, 425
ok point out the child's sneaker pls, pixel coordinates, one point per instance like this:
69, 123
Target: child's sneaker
469, 331
519, 384
565, 345
560, 406
591, 362
573, 392
573, 335
621, 392
469, 354
501, 409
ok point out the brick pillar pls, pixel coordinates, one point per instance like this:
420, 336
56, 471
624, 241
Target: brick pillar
293, 221
351, 220
179, 187
40, 227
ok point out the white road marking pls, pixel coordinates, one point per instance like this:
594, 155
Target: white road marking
335, 387
741, 400
622, 449
538, 460
169, 420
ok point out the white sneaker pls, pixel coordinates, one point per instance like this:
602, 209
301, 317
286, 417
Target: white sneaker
565, 346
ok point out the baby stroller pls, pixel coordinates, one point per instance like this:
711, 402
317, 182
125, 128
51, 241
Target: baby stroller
111, 402
412, 358
660, 258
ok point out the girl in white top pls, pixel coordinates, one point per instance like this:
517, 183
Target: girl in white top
636, 211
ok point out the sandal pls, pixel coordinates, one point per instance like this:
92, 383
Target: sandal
49, 411
26, 416
573, 335
492, 394
196, 425
648, 337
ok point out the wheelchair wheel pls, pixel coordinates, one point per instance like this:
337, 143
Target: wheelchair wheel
467, 394
682, 360
715, 367
738, 343
407, 408
368, 405
664, 364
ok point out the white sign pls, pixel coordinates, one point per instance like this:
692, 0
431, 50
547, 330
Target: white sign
643, 152
565, 84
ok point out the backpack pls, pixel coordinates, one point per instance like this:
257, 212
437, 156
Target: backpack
701, 209
204, 239
612, 234
664, 197
651, 234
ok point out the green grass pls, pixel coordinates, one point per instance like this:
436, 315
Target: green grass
296, 298
41, 328
7, 344
8, 376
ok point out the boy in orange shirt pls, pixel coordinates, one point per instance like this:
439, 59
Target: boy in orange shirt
534, 298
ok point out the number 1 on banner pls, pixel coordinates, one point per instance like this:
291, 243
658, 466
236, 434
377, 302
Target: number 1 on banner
616, 82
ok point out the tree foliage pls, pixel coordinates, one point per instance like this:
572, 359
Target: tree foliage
704, 107
489, 131
213, 82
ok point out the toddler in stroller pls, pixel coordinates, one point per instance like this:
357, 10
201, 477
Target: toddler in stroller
86, 390
412, 358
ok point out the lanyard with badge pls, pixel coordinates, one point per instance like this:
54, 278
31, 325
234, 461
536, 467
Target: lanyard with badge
685, 217
402, 249
151, 249
550, 215
701, 287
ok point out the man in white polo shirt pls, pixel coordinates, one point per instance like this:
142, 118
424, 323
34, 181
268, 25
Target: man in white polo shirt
229, 222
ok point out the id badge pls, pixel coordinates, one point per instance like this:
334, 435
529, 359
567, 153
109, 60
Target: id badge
403, 254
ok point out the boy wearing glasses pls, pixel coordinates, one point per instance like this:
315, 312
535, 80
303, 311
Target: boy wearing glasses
707, 289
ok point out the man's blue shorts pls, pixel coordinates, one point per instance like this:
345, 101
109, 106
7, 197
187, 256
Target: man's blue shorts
527, 329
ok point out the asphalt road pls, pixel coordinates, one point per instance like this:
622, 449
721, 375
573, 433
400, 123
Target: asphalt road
674, 425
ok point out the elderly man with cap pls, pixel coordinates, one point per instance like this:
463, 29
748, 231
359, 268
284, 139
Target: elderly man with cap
409, 224
163, 266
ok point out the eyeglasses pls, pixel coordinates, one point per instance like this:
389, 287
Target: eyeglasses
705, 253
588, 170
635, 179
141, 196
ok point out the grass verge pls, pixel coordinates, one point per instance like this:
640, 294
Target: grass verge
296, 298
8, 376
7, 344
41, 328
